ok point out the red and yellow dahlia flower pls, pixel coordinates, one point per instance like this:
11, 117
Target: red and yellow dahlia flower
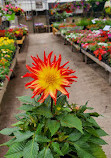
49, 77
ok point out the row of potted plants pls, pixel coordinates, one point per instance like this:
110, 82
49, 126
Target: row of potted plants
7, 52
8, 48
89, 24
14, 33
96, 42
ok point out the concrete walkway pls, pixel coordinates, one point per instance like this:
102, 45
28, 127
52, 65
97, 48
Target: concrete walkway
92, 83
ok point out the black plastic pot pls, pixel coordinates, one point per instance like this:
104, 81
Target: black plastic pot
19, 38
17, 13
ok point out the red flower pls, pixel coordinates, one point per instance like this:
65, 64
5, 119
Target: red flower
49, 77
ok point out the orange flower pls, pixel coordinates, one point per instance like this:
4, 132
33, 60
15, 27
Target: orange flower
49, 77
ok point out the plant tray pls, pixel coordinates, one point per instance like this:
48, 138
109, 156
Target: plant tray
3, 89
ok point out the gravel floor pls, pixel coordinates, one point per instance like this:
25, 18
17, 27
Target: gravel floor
92, 83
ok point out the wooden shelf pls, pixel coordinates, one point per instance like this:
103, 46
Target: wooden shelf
5, 83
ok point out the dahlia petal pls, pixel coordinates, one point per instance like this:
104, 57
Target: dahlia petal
64, 91
49, 58
45, 59
29, 83
54, 59
31, 69
30, 75
43, 97
64, 65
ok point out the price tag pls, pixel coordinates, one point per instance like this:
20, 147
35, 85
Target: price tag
107, 28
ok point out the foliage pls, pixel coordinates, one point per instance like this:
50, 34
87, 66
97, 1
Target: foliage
84, 22
66, 131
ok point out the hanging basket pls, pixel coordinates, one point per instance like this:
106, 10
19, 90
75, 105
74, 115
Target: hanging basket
10, 17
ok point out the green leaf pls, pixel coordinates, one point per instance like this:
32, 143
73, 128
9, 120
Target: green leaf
8, 143
74, 136
101, 132
39, 128
94, 114
43, 110
53, 126
41, 139
91, 120
8, 131
82, 108
15, 155
97, 140
82, 153
71, 121
27, 99
65, 148
21, 136
15, 150
27, 107
61, 100
85, 137
17, 123
56, 148
97, 151
31, 149
92, 131
45, 153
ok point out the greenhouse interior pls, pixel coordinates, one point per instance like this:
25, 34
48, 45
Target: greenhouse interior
55, 78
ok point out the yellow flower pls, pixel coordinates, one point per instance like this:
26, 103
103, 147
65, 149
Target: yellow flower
58, 108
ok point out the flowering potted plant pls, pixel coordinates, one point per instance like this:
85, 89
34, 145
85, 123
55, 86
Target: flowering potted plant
50, 127
18, 11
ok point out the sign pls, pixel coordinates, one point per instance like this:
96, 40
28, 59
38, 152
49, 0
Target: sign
93, 21
107, 28
39, 4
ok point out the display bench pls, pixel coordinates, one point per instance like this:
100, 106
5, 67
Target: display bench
6, 81
87, 56
44, 28
73, 45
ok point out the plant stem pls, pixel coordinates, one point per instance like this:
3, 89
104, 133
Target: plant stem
51, 104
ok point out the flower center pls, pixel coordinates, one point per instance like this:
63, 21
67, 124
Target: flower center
50, 79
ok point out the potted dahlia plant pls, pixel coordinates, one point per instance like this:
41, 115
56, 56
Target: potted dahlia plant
50, 127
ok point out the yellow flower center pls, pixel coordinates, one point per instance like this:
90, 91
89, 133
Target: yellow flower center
49, 78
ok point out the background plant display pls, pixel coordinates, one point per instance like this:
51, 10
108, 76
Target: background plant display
7, 51
70, 7
89, 35
49, 131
